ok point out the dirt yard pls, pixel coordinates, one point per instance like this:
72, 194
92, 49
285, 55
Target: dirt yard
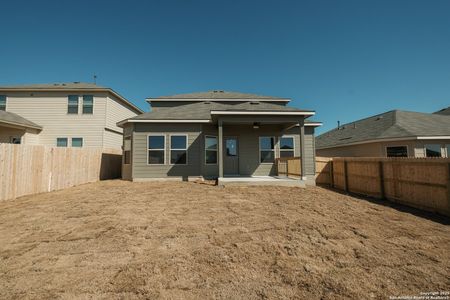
122, 240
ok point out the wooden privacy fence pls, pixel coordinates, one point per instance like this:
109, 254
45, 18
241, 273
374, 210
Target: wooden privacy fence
289, 166
419, 182
26, 169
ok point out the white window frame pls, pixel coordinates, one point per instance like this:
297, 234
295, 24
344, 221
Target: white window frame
82, 105
390, 146
274, 150
447, 147
67, 142
76, 137
78, 105
170, 148
217, 149
6, 102
425, 150
279, 144
165, 148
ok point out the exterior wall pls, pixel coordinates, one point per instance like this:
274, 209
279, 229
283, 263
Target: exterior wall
248, 147
415, 149
49, 110
140, 168
28, 136
127, 168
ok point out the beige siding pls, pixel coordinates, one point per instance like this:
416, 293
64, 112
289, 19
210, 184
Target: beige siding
116, 112
415, 149
49, 110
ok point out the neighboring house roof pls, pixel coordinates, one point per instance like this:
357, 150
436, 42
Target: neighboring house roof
70, 86
10, 118
444, 111
202, 111
391, 125
217, 96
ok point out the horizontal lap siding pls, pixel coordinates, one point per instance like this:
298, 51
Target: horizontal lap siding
140, 152
309, 147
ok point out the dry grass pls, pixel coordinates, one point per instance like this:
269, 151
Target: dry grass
118, 239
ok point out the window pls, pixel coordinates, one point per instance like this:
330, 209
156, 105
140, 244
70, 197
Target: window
178, 149
88, 104
210, 150
77, 142
61, 142
156, 149
397, 151
287, 147
2, 102
72, 104
433, 150
448, 150
126, 157
16, 140
266, 149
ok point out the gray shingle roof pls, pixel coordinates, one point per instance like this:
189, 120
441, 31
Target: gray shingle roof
14, 119
389, 125
218, 95
56, 86
202, 110
444, 111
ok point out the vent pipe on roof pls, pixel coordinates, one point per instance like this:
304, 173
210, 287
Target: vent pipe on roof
339, 124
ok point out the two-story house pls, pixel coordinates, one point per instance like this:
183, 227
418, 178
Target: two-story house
64, 115
217, 134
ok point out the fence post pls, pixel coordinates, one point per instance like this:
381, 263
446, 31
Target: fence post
331, 174
381, 173
345, 176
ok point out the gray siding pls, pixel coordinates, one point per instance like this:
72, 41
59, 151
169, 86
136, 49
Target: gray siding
248, 149
139, 164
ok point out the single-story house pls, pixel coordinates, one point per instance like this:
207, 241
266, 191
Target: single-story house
217, 134
394, 133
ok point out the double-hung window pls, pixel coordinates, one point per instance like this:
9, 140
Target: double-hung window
433, 150
178, 149
2, 102
266, 149
210, 150
127, 150
72, 107
156, 149
88, 104
287, 146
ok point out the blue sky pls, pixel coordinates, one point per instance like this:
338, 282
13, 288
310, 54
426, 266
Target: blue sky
345, 59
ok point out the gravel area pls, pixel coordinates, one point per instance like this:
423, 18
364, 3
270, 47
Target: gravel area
123, 240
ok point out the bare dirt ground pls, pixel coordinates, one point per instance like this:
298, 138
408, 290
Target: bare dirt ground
123, 240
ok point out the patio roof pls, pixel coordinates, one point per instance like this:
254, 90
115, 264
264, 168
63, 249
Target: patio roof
10, 119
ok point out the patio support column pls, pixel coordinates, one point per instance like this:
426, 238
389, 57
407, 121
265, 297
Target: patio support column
220, 156
302, 149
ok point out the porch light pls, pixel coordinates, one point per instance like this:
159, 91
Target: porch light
255, 125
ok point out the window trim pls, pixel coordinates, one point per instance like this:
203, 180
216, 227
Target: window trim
170, 148
148, 149
274, 150
389, 146
216, 150
82, 105
6, 102
67, 142
78, 105
76, 137
279, 144
425, 151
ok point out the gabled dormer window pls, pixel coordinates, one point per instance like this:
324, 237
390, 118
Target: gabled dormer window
2, 102
88, 104
72, 107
